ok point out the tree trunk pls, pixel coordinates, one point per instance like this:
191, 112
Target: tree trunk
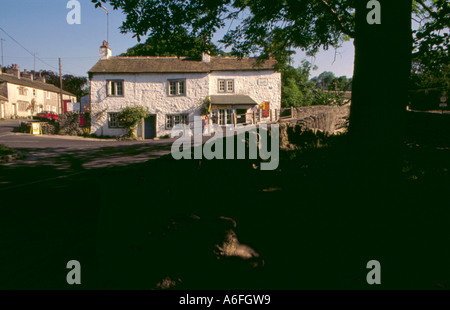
380, 89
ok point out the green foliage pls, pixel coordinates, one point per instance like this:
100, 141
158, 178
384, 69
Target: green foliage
69, 123
6, 150
431, 58
327, 97
296, 88
157, 46
205, 106
76, 85
267, 27
130, 116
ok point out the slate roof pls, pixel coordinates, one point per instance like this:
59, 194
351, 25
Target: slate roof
232, 99
178, 65
32, 84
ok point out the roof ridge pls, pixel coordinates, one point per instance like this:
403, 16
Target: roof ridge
24, 81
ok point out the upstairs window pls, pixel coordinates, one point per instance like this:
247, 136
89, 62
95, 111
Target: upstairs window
48, 95
22, 91
226, 86
115, 88
177, 87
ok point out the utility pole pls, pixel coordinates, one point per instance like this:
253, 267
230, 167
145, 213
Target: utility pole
1, 40
61, 88
107, 23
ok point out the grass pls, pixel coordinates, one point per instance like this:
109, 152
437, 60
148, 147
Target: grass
6, 151
315, 223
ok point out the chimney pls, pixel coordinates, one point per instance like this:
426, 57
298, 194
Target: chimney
16, 71
105, 51
206, 58
27, 75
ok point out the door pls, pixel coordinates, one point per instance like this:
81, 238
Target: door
150, 127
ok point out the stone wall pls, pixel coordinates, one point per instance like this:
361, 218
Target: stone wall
308, 121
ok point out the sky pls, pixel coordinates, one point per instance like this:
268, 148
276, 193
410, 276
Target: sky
41, 27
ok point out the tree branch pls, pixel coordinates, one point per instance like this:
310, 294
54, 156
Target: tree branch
339, 20
426, 7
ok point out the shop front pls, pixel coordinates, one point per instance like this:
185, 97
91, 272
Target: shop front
231, 109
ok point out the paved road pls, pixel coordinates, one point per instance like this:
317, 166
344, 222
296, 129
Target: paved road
64, 151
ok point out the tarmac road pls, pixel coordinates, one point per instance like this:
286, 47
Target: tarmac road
50, 150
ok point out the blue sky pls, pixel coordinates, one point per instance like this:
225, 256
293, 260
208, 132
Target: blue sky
41, 27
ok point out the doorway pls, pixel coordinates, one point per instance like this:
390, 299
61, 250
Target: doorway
150, 127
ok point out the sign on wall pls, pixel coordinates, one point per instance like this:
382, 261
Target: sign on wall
36, 129
265, 106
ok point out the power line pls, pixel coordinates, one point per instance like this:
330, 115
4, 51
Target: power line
33, 54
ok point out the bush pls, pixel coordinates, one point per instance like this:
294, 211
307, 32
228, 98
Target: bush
130, 116
6, 150
69, 123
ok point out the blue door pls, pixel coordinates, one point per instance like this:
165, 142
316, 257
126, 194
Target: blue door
150, 127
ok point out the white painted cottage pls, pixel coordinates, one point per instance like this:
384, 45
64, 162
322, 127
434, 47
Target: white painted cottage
173, 90
23, 95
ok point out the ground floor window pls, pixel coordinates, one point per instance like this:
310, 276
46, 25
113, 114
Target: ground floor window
22, 106
175, 119
241, 116
113, 120
222, 116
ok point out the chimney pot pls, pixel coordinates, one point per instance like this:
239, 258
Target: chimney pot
206, 57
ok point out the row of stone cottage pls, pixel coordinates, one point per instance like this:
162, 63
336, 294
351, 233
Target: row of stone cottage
25, 94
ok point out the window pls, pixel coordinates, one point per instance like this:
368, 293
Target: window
113, 120
115, 88
176, 119
34, 92
22, 106
222, 116
48, 95
226, 86
22, 91
177, 87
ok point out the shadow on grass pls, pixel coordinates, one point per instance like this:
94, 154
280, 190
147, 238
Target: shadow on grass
314, 226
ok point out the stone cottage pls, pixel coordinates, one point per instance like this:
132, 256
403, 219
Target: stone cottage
24, 95
175, 89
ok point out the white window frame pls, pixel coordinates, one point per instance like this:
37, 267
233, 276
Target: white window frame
114, 123
112, 88
22, 91
223, 86
222, 117
174, 119
48, 95
174, 89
